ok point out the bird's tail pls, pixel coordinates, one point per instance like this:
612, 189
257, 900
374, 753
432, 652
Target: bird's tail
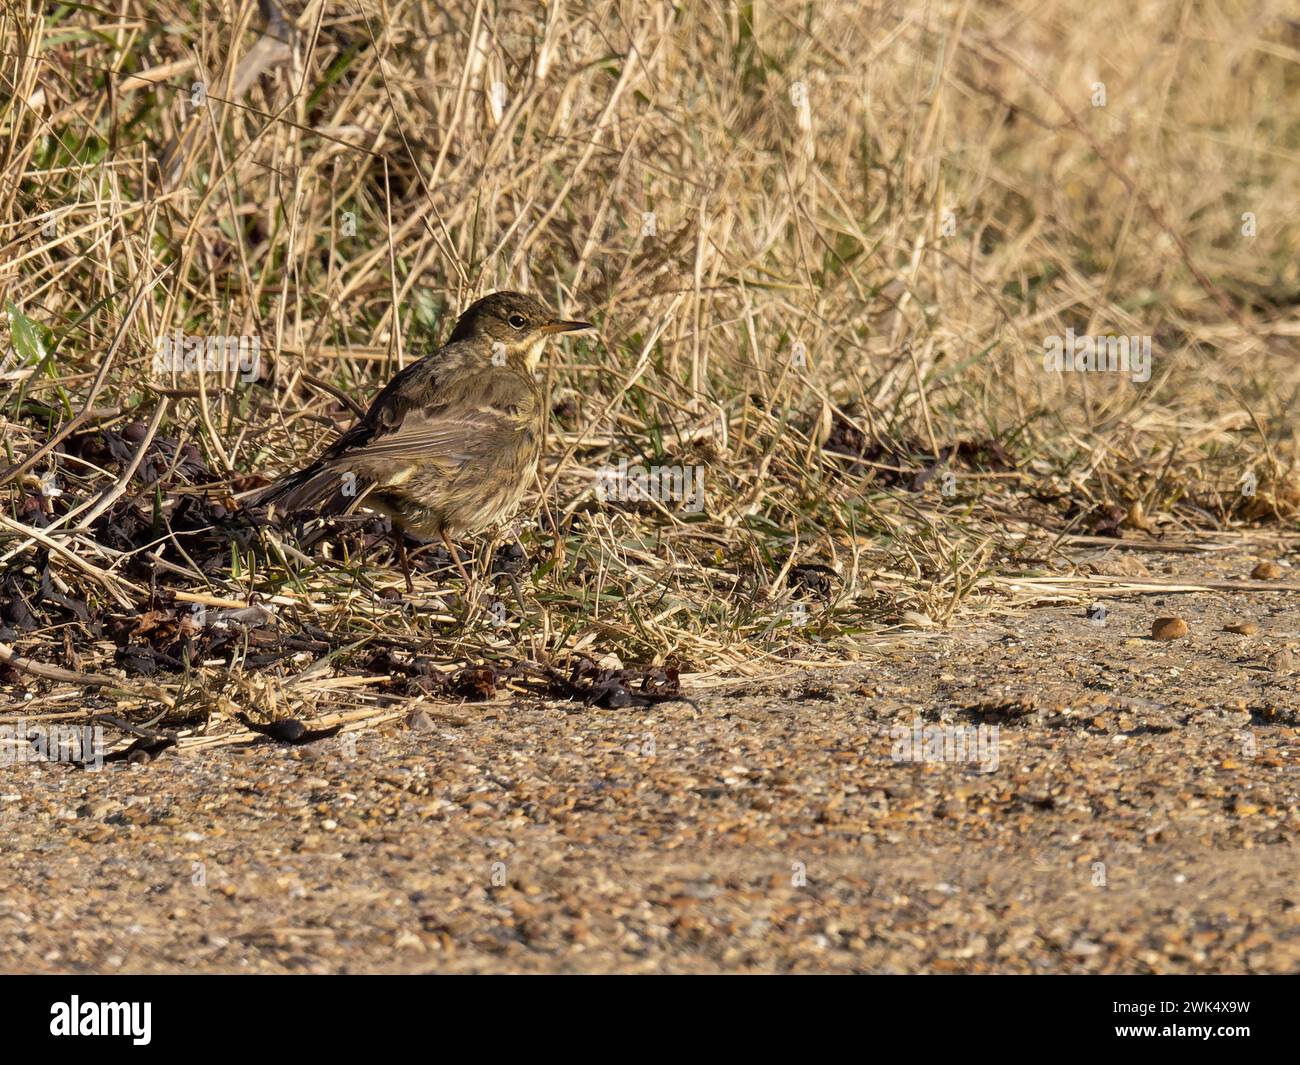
318, 490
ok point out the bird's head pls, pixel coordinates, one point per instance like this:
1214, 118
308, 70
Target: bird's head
516, 326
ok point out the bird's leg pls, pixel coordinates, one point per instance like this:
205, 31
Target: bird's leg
399, 538
491, 557
455, 557
519, 595
510, 575
489, 565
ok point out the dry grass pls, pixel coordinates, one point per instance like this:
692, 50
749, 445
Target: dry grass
947, 198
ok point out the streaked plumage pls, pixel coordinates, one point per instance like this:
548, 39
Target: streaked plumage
451, 444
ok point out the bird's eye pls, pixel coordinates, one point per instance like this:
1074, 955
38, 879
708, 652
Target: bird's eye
517, 320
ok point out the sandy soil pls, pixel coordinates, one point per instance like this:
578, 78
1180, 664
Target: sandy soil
1134, 811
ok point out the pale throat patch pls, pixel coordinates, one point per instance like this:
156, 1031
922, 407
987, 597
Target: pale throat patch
533, 353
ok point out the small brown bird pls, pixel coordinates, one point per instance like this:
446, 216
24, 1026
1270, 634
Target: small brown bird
451, 444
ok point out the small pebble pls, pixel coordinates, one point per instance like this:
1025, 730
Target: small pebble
1085, 948
1282, 661
97, 808
1168, 629
419, 721
290, 729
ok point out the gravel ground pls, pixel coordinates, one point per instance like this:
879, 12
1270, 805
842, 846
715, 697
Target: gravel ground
1133, 811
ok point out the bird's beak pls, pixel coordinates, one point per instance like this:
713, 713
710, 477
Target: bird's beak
567, 327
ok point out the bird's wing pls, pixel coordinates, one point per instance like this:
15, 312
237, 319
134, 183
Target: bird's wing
438, 413
443, 447
359, 462
447, 437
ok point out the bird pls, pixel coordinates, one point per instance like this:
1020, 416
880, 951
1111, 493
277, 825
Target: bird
451, 444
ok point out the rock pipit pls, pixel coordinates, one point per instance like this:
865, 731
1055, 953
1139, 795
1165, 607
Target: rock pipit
451, 444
